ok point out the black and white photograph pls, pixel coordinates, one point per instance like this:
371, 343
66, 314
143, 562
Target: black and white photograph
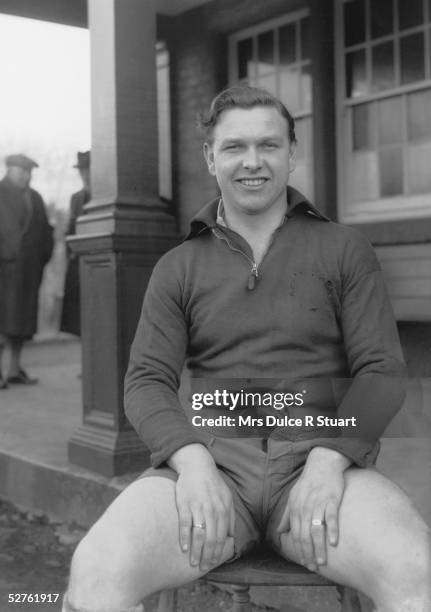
215, 305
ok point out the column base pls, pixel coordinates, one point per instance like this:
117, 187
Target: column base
109, 453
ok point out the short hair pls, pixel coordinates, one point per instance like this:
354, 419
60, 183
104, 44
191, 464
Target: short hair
243, 96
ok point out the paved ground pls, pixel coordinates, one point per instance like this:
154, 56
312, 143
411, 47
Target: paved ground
31, 414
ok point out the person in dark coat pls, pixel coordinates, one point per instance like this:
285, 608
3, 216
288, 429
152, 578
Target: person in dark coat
70, 317
26, 243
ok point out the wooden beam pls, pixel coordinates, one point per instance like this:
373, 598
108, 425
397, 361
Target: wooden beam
66, 12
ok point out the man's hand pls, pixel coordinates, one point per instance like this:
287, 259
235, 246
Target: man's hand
311, 513
204, 504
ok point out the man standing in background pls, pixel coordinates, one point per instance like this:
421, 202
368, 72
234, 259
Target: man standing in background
70, 318
26, 244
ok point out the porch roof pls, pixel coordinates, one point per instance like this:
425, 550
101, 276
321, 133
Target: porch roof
74, 12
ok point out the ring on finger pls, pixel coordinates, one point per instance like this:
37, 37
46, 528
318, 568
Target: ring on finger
199, 526
316, 522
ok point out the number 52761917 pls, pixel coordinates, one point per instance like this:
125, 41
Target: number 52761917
33, 597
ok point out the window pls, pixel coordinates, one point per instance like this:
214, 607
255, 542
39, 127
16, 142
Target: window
384, 108
276, 56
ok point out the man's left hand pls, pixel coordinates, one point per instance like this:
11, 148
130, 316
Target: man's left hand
311, 513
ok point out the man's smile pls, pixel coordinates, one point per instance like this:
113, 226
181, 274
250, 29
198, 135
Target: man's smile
252, 182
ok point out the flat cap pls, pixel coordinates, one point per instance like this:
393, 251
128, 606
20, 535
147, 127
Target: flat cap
22, 161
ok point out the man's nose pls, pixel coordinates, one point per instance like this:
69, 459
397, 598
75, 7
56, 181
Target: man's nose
252, 159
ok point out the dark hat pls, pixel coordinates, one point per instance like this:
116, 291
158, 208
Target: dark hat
83, 160
22, 161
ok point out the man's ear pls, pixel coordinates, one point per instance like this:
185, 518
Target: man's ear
292, 156
209, 158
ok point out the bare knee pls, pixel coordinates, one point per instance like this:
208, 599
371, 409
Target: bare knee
404, 584
114, 560
102, 572
90, 561
396, 547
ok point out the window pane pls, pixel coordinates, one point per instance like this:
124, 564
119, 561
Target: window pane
305, 38
245, 58
412, 58
253, 82
356, 78
289, 89
363, 127
418, 168
382, 18
390, 121
382, 58
391, 172
287, 42
410, 13
265, 52
419, 116
306, 87
363, 181
354, 22
268, 81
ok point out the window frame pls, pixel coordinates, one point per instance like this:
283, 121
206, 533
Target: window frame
405, 205
254, 31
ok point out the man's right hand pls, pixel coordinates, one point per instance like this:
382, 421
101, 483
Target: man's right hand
204, 503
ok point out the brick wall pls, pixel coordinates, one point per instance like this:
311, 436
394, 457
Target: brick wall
198, 67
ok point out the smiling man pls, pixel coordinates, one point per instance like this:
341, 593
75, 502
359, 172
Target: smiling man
265, 293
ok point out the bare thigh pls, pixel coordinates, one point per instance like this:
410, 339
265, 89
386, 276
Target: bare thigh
133, 549
383, 542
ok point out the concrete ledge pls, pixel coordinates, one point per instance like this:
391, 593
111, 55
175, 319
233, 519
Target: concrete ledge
71, 495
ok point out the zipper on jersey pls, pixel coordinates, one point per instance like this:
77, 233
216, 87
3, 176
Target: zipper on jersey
254, 272
252, 279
